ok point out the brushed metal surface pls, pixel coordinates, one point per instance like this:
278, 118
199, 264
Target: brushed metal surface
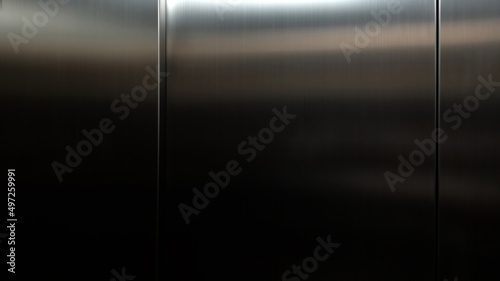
231, 63
69, 62
469, 179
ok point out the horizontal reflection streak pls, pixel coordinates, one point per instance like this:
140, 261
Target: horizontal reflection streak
300, 41
73, 31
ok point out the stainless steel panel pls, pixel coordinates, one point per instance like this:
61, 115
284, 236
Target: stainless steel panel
230, 64
62, 66
469, 180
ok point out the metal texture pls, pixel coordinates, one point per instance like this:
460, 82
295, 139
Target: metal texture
469, 178
230, 64
64, 67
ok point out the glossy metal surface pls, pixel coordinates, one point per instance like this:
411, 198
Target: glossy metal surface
469, 178
64, 78
324, 174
